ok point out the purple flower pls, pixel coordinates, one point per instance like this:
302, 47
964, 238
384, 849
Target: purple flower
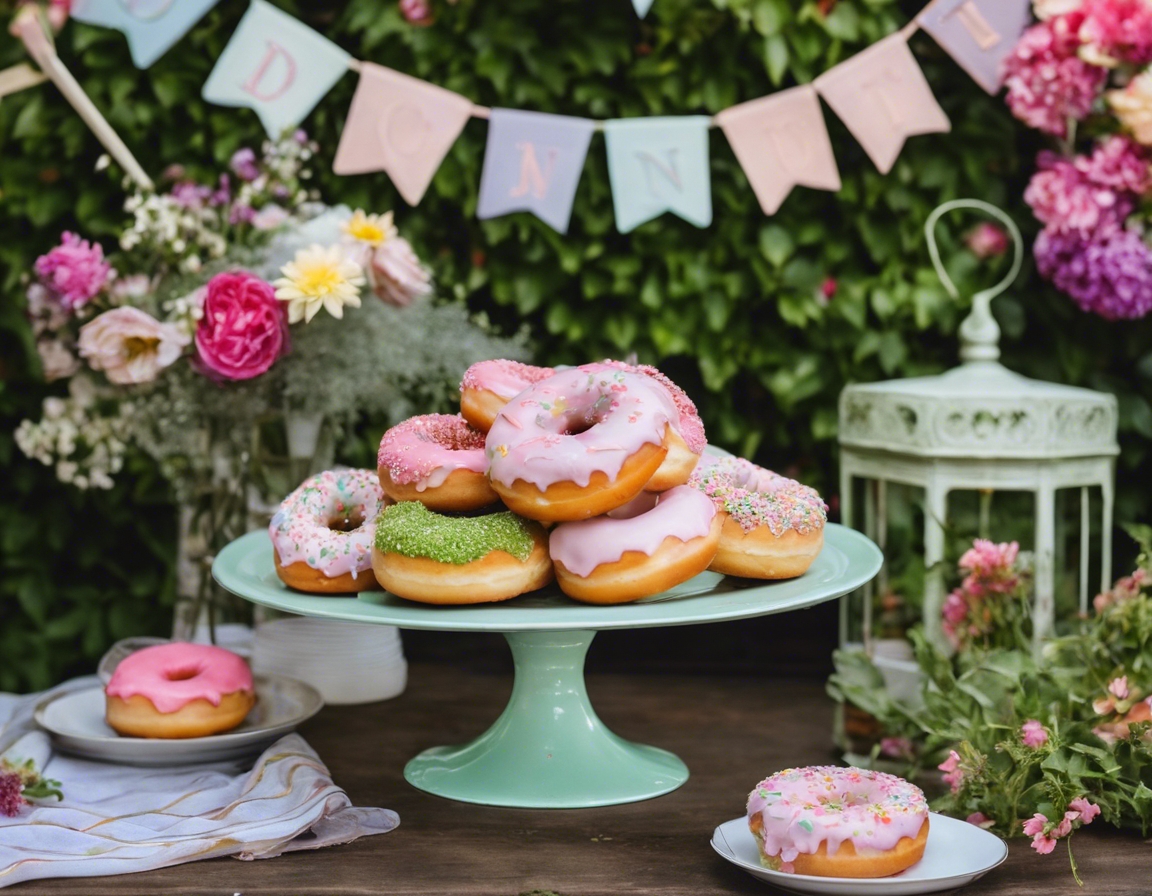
190, 194
1109, 275
11, 802
75, 270
243, 164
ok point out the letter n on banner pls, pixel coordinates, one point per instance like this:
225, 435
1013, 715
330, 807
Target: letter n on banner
532, 163
978, 34
659, 165
400, 125
883, 98
151, 26
781, 142
277, 66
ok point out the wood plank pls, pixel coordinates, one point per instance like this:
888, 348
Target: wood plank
731, 732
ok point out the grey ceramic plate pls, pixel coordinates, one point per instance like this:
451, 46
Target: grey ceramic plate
75, 722
957, 853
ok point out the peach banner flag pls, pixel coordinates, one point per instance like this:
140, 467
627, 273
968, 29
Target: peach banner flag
781, 142
400, 125
883, 98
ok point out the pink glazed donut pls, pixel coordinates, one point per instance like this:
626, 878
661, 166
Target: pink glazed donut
438, 460
179, 690
838, 822
636, 551
579, 443
489, 385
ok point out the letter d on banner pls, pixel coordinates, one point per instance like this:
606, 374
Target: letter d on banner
277, 66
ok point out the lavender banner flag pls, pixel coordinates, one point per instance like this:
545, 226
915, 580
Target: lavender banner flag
151, 26
532, 163
978, 34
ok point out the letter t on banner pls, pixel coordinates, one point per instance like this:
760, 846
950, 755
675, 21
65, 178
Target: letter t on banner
883, 98
532, 163
978, 34
659, 165
276, 65
151, 26
781, 142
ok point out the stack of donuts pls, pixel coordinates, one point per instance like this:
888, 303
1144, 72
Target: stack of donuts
596, 476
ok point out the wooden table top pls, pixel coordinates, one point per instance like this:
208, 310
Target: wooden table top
730, 732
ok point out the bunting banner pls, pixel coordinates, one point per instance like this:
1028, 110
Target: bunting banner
781, 142
659, 165
402, 126
277, 66
883, 98
19, 77
151, 26
642, 7
532, 163
978, 34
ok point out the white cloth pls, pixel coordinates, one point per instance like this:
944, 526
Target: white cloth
118, 819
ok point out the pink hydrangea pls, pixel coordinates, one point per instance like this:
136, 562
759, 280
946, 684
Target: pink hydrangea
1120, 163
1084, 810
1033, 734
1066, 200
75, 270
1048, 83
11, 801
243, 330
953, 775
1117, 31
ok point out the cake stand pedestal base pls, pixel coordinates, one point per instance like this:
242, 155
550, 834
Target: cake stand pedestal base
548, 749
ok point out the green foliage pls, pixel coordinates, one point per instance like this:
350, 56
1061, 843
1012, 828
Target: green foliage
733, 312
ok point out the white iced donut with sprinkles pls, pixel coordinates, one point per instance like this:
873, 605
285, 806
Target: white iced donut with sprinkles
322, 533
438, 460
636, 552
827, 821
773, 526
489, 385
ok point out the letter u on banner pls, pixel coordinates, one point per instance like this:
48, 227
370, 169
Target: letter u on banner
659, 165
151, 26
400, 125
532, 163
277, 66
978, 34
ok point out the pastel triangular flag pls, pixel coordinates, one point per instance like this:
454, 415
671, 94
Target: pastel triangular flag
151, 26
532, 163
276, 65
400, 125
883, 98
642, 7
659, 165
781, 141
978, 34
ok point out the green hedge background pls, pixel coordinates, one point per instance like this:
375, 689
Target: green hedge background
732, 311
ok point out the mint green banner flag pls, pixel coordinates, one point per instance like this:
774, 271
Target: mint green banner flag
659, 165
276, 65
151, 26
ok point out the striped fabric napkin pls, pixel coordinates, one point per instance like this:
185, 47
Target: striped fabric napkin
118, 819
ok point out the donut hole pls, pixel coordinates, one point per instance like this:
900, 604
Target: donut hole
346, 522
184, 674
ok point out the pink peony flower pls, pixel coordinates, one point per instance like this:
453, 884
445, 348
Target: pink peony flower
11, 802
1033, 735
244, 329
396, 274
1048, 83
988, 560
75, 270
1085, 810
129, 345
987, 240
1064, 198
1118, 687
1117, 31
953, 775
1035, 825
980, 820
1043, 845
417, 12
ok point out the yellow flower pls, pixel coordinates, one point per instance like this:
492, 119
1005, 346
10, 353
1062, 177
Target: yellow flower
319, 277
372, 230
1133, 106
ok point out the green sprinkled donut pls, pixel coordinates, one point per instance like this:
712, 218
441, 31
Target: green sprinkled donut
412, 530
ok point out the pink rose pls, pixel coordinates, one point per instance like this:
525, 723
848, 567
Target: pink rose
1033, 735
129, 345
243, 330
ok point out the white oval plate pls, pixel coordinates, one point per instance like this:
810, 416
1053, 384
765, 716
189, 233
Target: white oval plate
956, 854
75, 722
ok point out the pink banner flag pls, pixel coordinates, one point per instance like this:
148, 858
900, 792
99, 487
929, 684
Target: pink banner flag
883, 98
400, 125
978, 34
781, 142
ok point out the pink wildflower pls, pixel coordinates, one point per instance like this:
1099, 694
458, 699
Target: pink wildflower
1117, 31
1063, 829
987, 240
953, 775
1033, 735
417, 12
1043, 845
11, 802
1085, 810
75, 270
1035, 825
980, 820
1118, 687
1048, 83
896, 748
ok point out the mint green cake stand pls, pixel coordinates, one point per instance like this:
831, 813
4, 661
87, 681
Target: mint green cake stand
549, 749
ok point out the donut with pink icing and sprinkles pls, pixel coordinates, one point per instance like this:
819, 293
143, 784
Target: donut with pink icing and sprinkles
322, 533
828, 821
438, 460
773, 526
489, 385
